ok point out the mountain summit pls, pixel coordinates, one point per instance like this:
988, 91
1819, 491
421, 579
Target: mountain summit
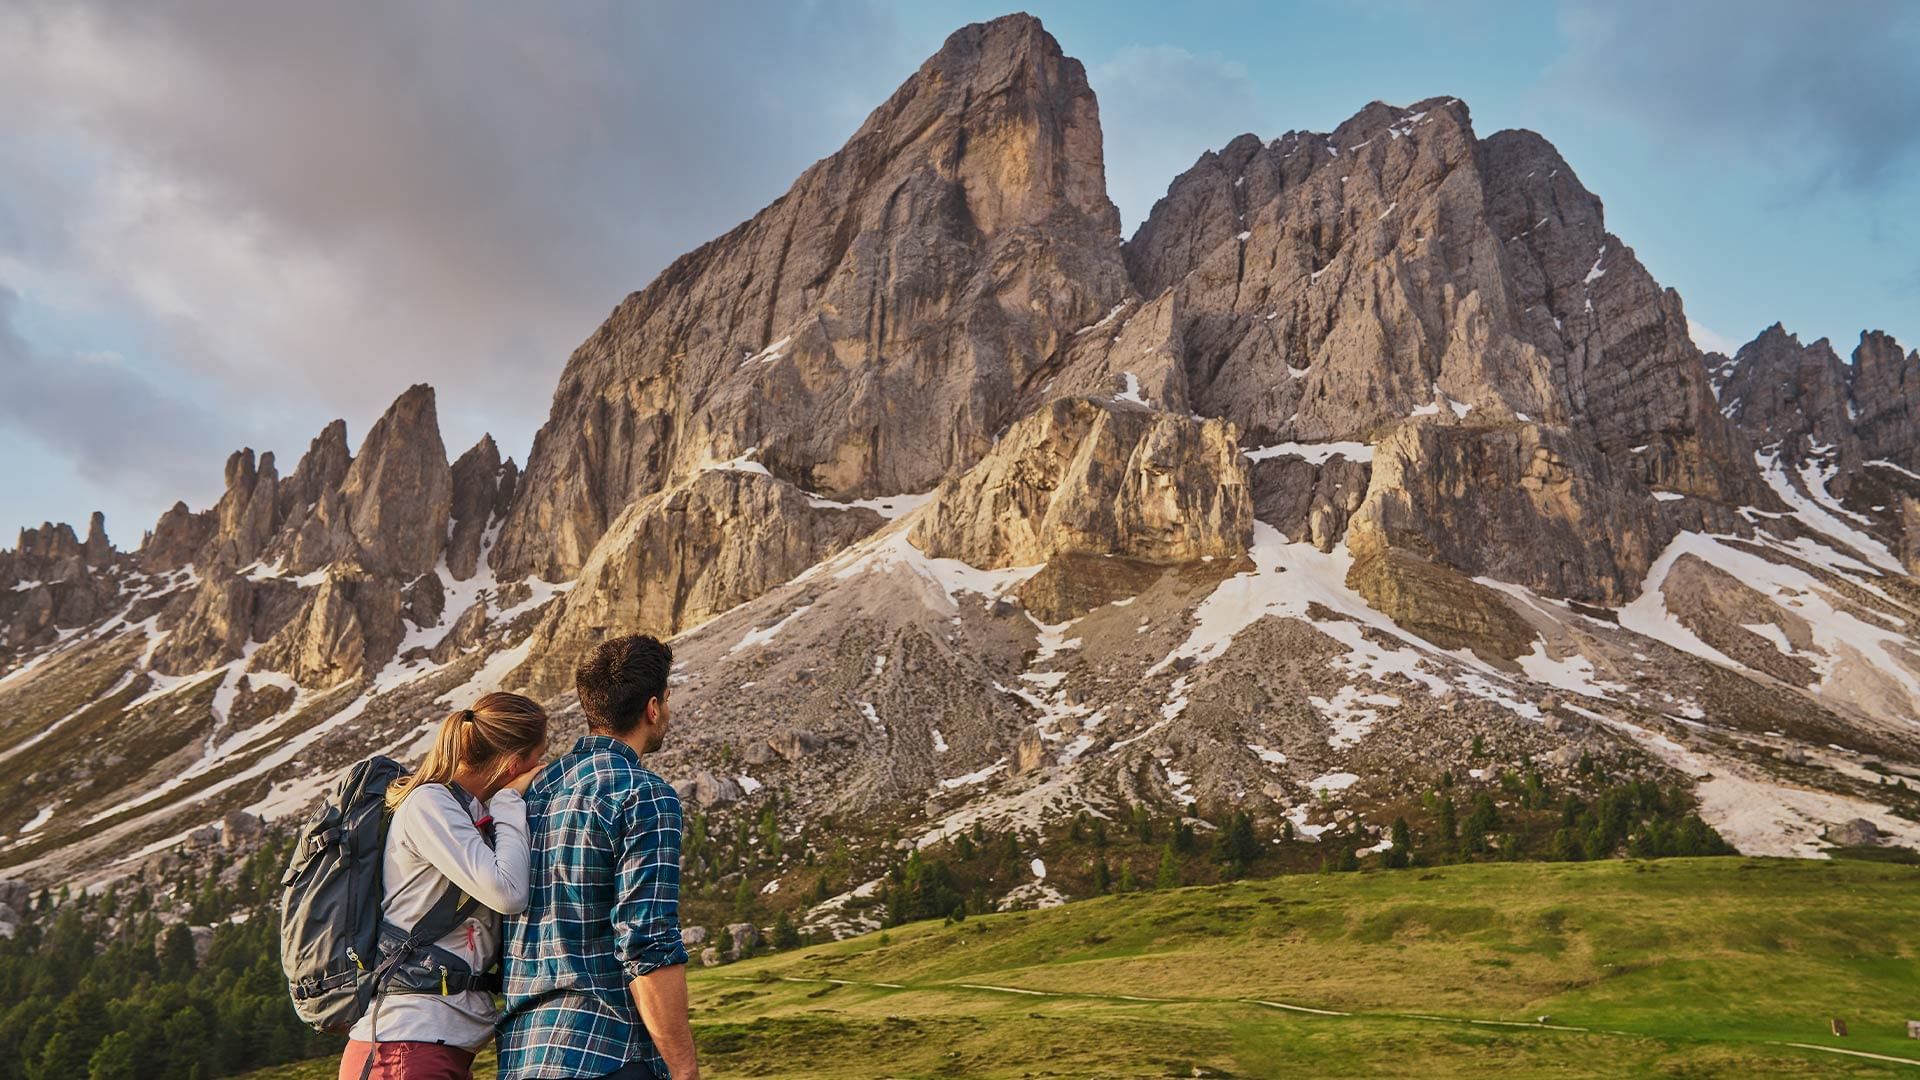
869, 332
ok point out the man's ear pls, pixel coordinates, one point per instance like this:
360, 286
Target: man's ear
653, 710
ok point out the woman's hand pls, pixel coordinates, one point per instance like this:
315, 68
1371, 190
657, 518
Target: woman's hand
522, 782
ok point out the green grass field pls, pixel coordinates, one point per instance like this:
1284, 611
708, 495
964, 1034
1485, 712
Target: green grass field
1674, 968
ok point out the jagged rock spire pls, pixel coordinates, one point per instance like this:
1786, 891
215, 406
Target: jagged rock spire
476, 484
399, 490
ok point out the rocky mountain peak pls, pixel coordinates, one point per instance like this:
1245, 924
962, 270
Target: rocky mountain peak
1886, 394
99, 549
1026, 129
867, 334
53, 581
47, 545
1401, 274
322, 469
245, 517
399, 490
477, 479
1784, 393
174, 539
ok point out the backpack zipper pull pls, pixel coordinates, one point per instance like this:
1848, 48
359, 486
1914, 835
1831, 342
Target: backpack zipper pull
355, 957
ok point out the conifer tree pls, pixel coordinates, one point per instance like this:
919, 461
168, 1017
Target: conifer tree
1168, 876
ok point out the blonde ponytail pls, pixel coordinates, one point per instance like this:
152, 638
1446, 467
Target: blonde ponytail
498, 728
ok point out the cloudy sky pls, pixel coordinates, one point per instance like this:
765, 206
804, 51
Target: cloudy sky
223, 224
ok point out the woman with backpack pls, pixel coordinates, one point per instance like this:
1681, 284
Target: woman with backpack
456, 855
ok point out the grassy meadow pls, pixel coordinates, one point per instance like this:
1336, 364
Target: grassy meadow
1665, 968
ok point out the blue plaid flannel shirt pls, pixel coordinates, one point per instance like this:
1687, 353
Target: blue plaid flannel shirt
604, 910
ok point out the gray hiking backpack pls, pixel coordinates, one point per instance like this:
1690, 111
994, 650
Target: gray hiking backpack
336, 950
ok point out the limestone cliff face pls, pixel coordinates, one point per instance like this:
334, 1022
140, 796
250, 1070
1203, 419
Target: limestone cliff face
677, 558
1402, 271
872, 330
174, 540
1089, 477
1309, 501
399, 490
1524, 503
477, 480
53, 581
348, 629
1851, 430
1803, 401
219, 618
1780, 391
1886, 389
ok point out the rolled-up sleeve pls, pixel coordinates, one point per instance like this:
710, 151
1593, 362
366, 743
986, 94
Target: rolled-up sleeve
646, 908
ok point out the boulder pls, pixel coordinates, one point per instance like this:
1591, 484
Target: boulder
1562, 757
746, 937
1030, 753
466, 632
1439, 603
705, 790
239, 829
795, 744
1856, 833
425, 600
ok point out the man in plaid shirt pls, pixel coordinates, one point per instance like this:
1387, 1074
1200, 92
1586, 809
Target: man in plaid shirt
595, 973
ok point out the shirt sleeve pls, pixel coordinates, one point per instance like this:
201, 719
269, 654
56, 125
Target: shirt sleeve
646, 906
444, 835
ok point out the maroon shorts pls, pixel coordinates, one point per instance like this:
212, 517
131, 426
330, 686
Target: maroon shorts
407, 1061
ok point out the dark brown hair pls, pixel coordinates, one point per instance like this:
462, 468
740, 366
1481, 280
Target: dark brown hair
617, 679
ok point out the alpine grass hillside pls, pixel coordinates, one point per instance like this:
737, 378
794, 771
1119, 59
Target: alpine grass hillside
1370, 507
1677, 967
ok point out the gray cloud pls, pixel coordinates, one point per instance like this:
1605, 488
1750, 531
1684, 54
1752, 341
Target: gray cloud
306, 207
115, 426
1162, 107
1823, 94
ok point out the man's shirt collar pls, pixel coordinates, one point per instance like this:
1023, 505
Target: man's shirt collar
589, 743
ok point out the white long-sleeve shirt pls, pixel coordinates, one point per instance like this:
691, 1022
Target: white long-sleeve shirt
432, 841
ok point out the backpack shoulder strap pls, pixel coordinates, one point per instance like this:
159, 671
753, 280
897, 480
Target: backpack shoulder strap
447, 913
453, 907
